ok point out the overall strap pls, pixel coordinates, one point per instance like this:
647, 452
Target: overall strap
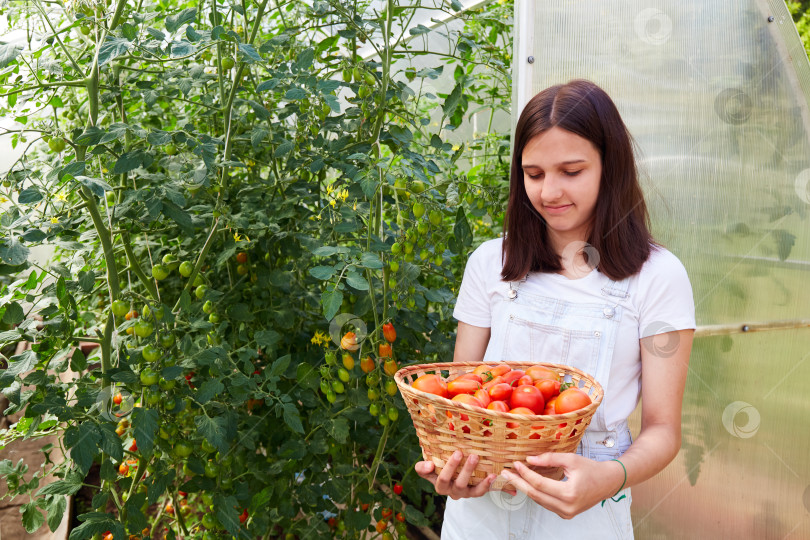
618, 289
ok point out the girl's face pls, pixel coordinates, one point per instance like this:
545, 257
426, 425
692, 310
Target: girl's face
561, 174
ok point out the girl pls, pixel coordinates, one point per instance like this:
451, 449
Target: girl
576, 279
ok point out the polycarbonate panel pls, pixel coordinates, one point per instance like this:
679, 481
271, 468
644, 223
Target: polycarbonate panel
716, 95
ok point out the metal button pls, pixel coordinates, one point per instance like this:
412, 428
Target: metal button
609, 312
512, 294
597, 333
609, 442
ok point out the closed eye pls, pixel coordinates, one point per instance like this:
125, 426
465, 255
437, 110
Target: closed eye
572, 173
567, 173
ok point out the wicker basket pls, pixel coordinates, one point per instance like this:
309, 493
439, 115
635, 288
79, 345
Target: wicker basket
444, 426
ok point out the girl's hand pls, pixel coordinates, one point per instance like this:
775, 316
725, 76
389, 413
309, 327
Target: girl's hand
444, 483
589, 482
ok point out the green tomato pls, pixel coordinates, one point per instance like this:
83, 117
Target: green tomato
85, 30
170, 149
331, 396
417, 186
119, 308
208, 520
373, 394
226, 482
437, 260
392, 283
408, 247
373, 378
160, 272
422, 227
394, 266
200, 291
110, 196
374, 409
418, 209
227, 63
167, 385
357, 74
393, 414
364, 92
149, 377
435, 218
338, 387
396, 248
343, 375
211, 469
56, 145
383, 420
150, 353
324, 386
207, 499
391, 387
152, 398
424, 254
347, 75
143, 329
166, 339
208, 306
207, 447
331, 358
198, 280
185, 268
213, 318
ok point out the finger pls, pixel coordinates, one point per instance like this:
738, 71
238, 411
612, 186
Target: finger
424, 467
543, 499
554, 459
467, 471
446, 476
532, 482
483, 487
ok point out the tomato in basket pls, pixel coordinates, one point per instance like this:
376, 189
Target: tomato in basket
571, 400
432, 384
462, 386
529, 397
538, 373
548, 387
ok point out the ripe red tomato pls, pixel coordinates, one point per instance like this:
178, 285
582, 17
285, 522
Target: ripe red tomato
349, 341
518, 410
243, 517
539, 372
481, 370
381, 526
571, 400
548, 388
524, 380
400, 517
501, 369
500, 392
512, 376
385, 350
387, 513
500, 406
398, 489
471, 377
468, 400
551, 406
482, 396
432, 384
241, 257
492, 382
117, 399
389, 332
367, 364
462, 386
529, 397
134, 446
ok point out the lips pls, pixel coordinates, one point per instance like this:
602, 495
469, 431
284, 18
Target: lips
558, 209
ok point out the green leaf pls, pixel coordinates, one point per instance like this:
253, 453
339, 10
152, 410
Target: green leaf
356, 520
34, 235
56, 510
419, 29
339, 429
462, 229
415, 516
82, 441
322, 272
452, 101
12, 251
267, 338
305, 58
173, 22
86, 280
18, 365
96, 187
280, 365
111, 442
227, 515
178, 215
213, 429
136, 521
283, 149
32, 518
112, 49
248, 54
78, 362
29, 195
240, 312
208, 390
182, 48
292, 418
128, 162
371, 260
8, 52
331, 301
14, 313
294, 94
145, 424
61, 487
357, 282
73, 169
307, 376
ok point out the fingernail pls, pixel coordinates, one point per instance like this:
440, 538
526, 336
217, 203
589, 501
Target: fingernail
457, 454
473, 459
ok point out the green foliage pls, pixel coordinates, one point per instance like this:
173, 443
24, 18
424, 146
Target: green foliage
278, 186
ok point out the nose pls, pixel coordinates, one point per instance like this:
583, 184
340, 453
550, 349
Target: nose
550, 189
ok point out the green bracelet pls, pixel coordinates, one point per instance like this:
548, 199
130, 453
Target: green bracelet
621, 488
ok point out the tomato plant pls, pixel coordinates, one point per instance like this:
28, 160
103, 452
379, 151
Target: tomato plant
245, 188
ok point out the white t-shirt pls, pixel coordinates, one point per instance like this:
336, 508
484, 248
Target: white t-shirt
660, 301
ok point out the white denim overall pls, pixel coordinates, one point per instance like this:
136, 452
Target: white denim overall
530, 327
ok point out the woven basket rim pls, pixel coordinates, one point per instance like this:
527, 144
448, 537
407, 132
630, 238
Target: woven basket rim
407, 388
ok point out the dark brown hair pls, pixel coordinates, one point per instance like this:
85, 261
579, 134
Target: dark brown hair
620, 228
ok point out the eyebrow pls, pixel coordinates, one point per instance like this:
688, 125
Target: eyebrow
571, 162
